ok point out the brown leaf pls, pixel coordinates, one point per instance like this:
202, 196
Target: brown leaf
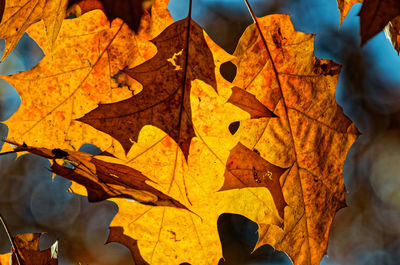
246, 168
345, 6
182, 56
130, 11
117, 235
28, 248
249, 103
375, 15
103, 180
392, 31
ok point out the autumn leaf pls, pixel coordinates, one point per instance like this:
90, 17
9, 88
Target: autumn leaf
165, 99
175, 169
76, 76
311, 137
130, 11
117, 235
345, 6
102, 180
392, 31
182, 56
27, 246
374, 16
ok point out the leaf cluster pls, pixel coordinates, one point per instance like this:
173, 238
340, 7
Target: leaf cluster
182, 145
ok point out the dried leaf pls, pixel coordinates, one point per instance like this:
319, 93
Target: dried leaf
392, 31
117, 235
101, 179
345, 6
29, 253
130, 11
182, 56
375, 15
246, 168
311, 137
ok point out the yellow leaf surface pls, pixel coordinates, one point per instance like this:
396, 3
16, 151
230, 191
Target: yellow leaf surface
311, 137
76, 76
5, 259
19, 15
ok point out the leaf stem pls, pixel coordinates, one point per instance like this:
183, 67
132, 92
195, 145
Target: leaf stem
14, 248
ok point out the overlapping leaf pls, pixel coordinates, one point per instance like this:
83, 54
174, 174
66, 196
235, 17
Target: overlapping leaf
374, 16
282, 172
19, 15
130, 11
311, 137
27, 246
76, 76
345, 6
392, 31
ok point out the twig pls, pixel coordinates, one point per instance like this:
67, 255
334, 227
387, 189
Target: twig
14, 248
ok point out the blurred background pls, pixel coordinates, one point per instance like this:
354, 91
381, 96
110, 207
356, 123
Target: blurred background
367, 232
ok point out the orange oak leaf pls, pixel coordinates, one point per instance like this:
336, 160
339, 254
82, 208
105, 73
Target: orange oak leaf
130, 11
311, 137
78, 75
18, 15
